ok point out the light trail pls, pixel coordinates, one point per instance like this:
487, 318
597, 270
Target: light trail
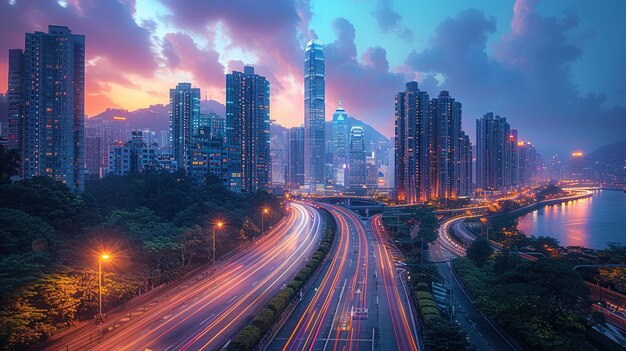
207, 312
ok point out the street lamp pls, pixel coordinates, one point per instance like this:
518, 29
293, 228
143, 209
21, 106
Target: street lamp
103, 257
219, 225
265, 211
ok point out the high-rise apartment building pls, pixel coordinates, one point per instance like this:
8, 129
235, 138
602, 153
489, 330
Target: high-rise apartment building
48, 96
433, 155
465, 166
445, 114
295, 158
314, 116
248, 130
412, 152
15, 97
184, 121
493, 153
339, 145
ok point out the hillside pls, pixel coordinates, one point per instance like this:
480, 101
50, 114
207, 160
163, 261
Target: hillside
615, 152
155, 117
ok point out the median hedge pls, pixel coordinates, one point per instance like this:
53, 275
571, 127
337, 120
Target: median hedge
250, 336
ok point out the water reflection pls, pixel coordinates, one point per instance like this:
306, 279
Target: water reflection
590, 222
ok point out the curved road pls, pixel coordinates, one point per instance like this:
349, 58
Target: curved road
358, 303
207, 313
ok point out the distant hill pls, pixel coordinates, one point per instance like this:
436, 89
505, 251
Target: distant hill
155, 117
371, 134
615, 152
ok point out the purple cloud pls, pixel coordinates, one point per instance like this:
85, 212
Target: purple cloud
366, 86
526, 80
389, 20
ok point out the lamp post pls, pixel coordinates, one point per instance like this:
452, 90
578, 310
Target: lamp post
100, 259
219, 225
265, 211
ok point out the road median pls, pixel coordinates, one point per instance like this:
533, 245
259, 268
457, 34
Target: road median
261, 330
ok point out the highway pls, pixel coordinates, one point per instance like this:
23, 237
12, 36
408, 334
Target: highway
358, 302
481, 332
203, 313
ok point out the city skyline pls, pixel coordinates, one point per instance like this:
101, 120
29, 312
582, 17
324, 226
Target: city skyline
266, 206
172, 52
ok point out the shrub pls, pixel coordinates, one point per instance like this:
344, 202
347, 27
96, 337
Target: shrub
423, 295
264, 320
246, 339
426, 303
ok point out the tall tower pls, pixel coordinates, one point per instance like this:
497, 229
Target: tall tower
339, 144
53, 91
15, 96
446, 128
248, 130
314, 112
295, 158
356, 172
412, 116
184, 121
493, 152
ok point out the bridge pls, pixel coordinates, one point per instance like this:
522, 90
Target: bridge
364, 206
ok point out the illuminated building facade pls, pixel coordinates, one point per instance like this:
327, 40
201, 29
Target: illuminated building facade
339, 144
248, 130
314, 116
51, 101
356, 172
184, 121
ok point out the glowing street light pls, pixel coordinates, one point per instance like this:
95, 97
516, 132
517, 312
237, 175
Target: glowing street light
218, 225
265, 211
103, 257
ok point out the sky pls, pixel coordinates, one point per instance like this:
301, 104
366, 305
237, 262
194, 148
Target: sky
556, 69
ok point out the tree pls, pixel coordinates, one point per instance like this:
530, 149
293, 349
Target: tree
441, 335
480, 251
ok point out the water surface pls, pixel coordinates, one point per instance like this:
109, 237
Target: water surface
590, 222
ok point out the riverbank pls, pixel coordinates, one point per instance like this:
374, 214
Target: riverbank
582, 194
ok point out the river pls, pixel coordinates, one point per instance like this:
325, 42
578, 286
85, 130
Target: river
592, 222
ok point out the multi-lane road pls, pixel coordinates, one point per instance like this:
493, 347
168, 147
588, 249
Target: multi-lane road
204, 312
359, 302
482, 333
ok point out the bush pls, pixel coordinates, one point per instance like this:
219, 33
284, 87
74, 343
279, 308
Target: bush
249, 337
430, 310
246, 339
264, 320
277, 305
426, 303
424, 295
287, 294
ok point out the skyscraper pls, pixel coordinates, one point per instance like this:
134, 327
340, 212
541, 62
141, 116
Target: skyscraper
248, 130
314, 112
339, 143
184, 121
445, 114
295, 160
433, 155
465, 165
412, 152
493, 153
15, 96
356, 171
53, 98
